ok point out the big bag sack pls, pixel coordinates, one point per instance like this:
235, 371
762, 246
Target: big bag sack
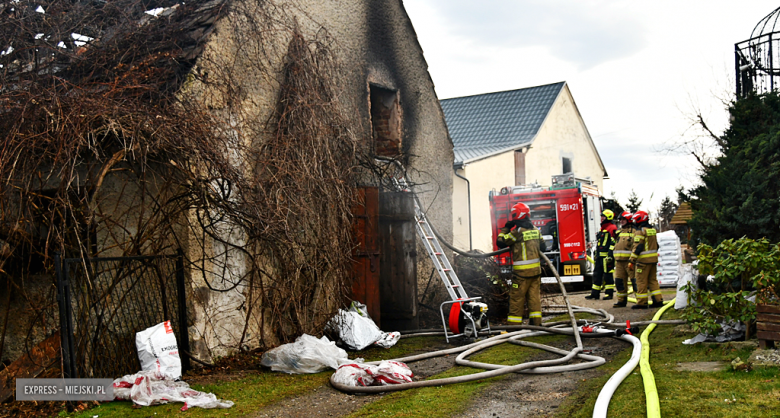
158, 351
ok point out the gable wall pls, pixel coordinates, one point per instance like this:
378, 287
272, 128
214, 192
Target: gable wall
563, 134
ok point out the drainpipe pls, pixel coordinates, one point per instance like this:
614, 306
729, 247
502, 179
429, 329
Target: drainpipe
460, 166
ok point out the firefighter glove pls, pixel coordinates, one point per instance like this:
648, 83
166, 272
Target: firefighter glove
510, 224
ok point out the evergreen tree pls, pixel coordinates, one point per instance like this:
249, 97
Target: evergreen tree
739, 195
665, 213
634, 202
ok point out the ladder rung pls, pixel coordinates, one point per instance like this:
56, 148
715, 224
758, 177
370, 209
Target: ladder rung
455, 285
446, 269
428, 237
437, 253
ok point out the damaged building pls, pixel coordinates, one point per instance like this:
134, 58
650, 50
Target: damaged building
225, 165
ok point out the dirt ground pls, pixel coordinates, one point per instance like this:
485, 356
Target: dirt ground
519, 395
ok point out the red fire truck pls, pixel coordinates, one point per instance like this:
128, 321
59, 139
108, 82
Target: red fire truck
568, 216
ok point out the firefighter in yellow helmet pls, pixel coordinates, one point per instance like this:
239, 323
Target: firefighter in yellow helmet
605, 264
644, 254
526, 243
622, 253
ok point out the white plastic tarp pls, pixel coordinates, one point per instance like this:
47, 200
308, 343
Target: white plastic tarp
149, 388
385, 373
306, 355
357, 330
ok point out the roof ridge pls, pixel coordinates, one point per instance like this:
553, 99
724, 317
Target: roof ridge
504, 91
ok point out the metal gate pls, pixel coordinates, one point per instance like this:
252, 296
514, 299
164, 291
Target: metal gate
103, 302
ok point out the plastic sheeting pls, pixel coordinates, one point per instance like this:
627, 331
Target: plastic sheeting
357, 330
385, 373
149, 388
730, 331
689, 271
306, 355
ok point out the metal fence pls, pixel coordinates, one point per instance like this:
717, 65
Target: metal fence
103, 303
757, 62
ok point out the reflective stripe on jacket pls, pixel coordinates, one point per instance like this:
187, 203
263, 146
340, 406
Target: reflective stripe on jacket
645, 249
625, 242
525, 250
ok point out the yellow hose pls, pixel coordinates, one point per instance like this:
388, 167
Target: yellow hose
651, 393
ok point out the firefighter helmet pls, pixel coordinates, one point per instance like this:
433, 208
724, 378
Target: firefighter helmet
520, 211
626, 215
608, 214
639, 217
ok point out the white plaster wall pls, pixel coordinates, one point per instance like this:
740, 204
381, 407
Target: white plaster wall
460, 212
563, 134
484, 175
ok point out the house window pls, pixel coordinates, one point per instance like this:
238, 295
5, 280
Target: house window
566, 165
519, 168
385, 121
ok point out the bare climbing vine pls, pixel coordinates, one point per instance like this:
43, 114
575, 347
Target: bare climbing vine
123, 131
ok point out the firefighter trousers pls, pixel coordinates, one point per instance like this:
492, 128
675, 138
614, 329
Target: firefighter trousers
622, 274
525, 290
647, 284
602, 278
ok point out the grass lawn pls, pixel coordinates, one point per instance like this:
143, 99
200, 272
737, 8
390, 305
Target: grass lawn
255, 391
681, 393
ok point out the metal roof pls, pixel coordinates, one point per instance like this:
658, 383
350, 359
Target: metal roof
492, 123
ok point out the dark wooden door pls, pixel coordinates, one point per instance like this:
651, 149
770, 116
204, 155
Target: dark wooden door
398, 248
365, 269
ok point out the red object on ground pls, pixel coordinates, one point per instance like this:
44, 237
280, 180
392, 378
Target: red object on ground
454, 317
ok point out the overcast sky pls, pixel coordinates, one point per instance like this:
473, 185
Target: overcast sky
637, 70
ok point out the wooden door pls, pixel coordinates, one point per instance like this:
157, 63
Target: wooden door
365, 269
398, 247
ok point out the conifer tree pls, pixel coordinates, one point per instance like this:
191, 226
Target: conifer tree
739, 195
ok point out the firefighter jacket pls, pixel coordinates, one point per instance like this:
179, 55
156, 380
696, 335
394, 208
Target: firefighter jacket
526, 245
645, 249
624, 244
605, 240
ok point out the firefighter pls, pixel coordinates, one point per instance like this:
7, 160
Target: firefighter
622, 252
644, 254
604, 265
526, 243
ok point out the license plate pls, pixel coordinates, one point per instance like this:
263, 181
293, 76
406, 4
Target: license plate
571, 270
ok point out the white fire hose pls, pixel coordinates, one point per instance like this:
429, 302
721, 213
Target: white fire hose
544, 366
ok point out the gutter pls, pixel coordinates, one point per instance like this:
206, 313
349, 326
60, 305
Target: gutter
460, 166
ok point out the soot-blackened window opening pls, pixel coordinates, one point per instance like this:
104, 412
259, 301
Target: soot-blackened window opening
385, 121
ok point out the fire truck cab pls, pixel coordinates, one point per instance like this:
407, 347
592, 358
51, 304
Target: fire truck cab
568, 216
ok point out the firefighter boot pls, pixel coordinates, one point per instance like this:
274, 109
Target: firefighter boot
608, 294
594, 294
620, 304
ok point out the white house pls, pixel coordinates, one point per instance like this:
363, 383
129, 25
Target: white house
511, 138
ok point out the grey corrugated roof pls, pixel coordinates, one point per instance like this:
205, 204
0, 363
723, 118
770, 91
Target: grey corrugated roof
491, 123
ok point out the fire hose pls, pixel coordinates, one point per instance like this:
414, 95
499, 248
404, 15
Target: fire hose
544, 366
